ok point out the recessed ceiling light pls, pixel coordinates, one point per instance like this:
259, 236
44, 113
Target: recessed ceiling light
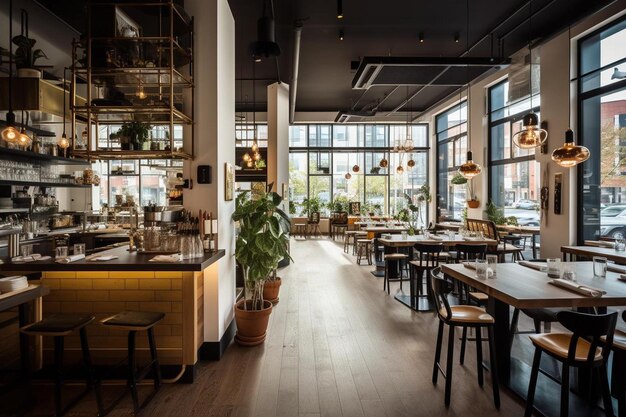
421, 37
456, 37
340, 34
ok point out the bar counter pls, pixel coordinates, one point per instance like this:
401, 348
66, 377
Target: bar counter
129, 282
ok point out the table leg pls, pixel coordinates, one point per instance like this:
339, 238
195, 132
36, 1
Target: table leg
24, 340
533, 239
500, 312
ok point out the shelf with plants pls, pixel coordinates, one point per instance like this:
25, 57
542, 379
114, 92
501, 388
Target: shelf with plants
136, 62
19, 154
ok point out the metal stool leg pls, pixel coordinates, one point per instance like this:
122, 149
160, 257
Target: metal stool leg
132, 370
92, 381
156, 369
58, 378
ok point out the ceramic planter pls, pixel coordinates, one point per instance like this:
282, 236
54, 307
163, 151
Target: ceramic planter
473, 203
251, 324
28, 73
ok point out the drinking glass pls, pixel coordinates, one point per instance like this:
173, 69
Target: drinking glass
61, 252
79, 249
26, 250
620, 245
554, 267
492, 262
569, 274
404, 235
599, 266
481, 268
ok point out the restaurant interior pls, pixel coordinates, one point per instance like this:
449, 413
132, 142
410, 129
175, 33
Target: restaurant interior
333, 208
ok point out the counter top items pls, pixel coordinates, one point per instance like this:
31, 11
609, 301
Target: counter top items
70, 259
101, 258
13, 283
177, 257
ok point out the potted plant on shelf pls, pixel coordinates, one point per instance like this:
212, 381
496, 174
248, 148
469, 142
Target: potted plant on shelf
414, 205
311, 205
472, 201
25, 57
133, 135
262, 242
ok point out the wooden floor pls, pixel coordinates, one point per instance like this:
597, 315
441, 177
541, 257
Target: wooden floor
337, 346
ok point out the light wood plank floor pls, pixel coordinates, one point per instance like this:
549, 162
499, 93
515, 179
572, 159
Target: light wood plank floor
337, 346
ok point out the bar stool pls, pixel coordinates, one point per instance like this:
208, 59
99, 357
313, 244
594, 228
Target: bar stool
402, 259
135, 321
461, 316
348, 240
468, 252
580, 349
364, 250
300, 230
358, 235
58, 326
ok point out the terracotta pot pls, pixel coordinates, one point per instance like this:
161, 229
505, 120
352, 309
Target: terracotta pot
271, 288
473, 203
28, 73
252, 324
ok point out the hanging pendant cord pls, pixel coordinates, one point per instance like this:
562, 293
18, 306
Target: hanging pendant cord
64, 81
469, 136
569, 75
254, 99
11, 56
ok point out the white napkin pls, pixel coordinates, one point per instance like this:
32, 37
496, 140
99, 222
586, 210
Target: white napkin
600, 243
167, 258
103, 258
577, 288
471, 238
539, 266
616, 268
433, 237
13, 283
470, 265
70, 259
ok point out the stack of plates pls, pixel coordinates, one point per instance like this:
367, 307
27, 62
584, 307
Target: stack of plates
14, 283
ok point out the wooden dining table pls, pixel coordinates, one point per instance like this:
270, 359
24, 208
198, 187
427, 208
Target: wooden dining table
533, 231
519, 286
395, 242
374, 232
573, 252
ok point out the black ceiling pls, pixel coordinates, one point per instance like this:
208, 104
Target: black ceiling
375, 28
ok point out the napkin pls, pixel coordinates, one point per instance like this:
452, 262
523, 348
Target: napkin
577, 288
470, 265
433, 237
167, 258
13, 283
471, 238
103, 258
539, 266
600, 243
616, 268
70, 259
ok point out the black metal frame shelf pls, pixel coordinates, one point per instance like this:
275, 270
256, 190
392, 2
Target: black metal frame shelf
43, 184
7, 153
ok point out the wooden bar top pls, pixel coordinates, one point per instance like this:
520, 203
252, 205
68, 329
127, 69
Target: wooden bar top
126, 261
397, 241
591, 251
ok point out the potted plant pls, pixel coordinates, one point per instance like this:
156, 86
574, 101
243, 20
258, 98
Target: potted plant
311, 205
25, 57
414, 205
340, 203
472, 201
133, 135
496, 215
262, 242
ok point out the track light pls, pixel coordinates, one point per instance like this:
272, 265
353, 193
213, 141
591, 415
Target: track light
339, 9
457, 37
341, 34
421, 37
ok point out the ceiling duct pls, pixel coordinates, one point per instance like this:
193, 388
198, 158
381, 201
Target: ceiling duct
293, 88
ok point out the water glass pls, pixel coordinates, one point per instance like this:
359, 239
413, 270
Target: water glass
481, 268
404, 235
620, 245
492, 262
79, 249
599, 266
26, 250
569, 274
554, 267
61, 252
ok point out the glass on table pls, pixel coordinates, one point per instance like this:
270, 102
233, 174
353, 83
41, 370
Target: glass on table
61, 252
26, 250
492, 263
481, 268
599, 266
569, 274
79, 249
404, 235
620, 245
554, 267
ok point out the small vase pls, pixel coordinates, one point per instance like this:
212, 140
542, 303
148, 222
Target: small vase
473, 203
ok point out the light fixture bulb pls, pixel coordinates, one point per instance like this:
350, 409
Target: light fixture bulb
250, 164
246, 157
356, 168
384, 163
10, 134
470, 169
531, 136
255, 147
400, 169
63, 142
256, 156
23, 139
410, 163
141, 94
348, 176
570, 154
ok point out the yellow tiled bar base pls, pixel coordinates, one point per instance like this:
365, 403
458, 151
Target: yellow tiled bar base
104, 293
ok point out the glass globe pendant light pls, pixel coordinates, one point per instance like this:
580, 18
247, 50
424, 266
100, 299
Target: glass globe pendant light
10, 133
348, 176
410, 163
384, 163
23, 139
570, 154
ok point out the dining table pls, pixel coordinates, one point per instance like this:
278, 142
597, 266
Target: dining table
532, 231
374, 233
588, 252
395, 242
526, 285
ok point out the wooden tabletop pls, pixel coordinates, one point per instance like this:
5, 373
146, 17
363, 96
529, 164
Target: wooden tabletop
449, 225
530, 230
591, 251
398, 241
379, 229
524, 287
15, 298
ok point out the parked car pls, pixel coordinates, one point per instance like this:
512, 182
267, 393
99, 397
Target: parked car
613, 221
528, 221
525, 204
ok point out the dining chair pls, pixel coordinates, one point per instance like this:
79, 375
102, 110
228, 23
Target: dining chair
428, 259
463, 316
618, 364
469, 252
583, 348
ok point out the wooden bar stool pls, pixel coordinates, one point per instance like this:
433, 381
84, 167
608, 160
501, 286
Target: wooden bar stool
348, 240
463, 316
58, 326
300, 230
581, 349
364, 250
358, 235
402, 259
136, 321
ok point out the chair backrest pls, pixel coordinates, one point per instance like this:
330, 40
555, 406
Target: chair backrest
314, 218
467, 252
590, 327
429, 254
441, 288
342, 217
487, 227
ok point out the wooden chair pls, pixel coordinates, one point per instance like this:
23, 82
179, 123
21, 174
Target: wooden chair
618, 380
469, 252
463, 316
338, 224
401, 259
581, 349
428, 259
349, 237
490, 231
313, 224
364, 250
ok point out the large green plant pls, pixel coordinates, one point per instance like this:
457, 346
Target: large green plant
133, 132
459, 179
340, 203
25, 55
496, 215
262, 242
311, 205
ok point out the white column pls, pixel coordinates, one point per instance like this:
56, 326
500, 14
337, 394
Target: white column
214, 77
278, 136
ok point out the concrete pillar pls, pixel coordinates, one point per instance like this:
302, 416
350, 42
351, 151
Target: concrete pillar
215, 146
278, 137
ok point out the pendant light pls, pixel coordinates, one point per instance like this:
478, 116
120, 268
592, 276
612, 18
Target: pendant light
23, 139
348, 175
531, 135
265, 45
410, 163
63, 142
469, 169
252, 158
383, 162
10, 133
570, 154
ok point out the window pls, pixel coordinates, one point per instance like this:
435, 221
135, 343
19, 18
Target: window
451, 133
244, 135
514, 180
602, 127
320, 173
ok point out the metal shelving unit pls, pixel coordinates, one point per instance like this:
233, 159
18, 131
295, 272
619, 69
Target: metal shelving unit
135, 73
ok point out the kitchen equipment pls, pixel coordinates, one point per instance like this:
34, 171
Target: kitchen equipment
14, 245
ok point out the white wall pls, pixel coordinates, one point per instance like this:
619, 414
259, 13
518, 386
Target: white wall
215, 146
278, 136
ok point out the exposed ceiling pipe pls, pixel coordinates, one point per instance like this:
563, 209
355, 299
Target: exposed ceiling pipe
293, 88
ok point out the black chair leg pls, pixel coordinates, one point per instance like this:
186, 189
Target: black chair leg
532, 384
479, 356
565, 391
58, 382
449, 365
156, 368
463, 342
92, 381
513, 329
606, 392
494, 367
621, 404
132, 370
537, 324
438, 352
